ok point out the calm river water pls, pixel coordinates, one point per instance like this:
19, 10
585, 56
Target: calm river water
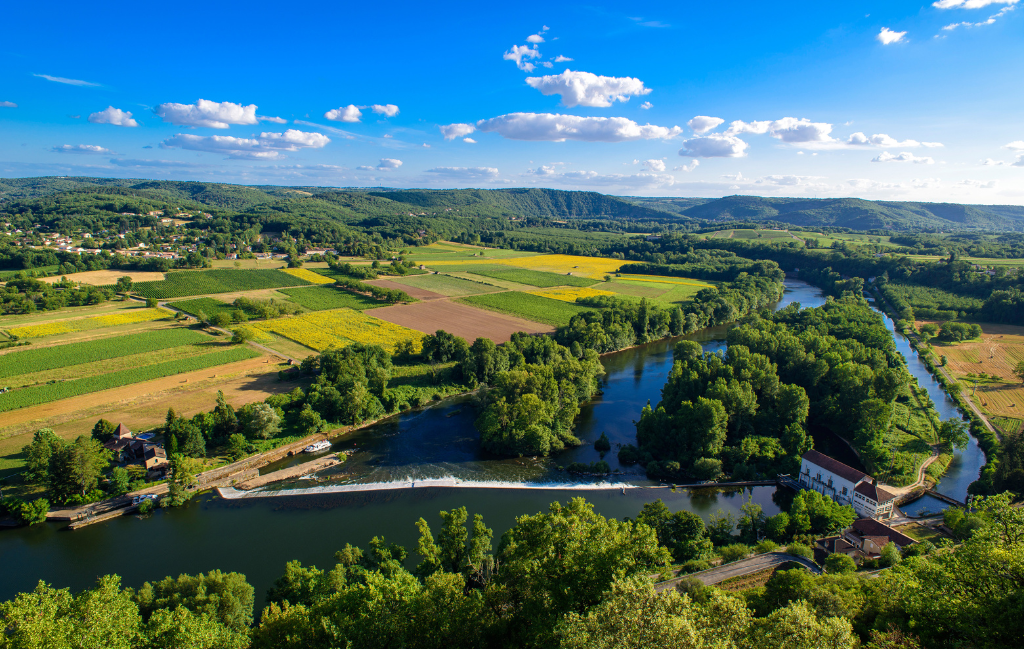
257, 536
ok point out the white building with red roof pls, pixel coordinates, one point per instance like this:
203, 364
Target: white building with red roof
845, 485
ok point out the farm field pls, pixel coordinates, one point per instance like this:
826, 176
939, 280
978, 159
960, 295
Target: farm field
500, 283
323, 330
321, 298
450, 250
106, 277
249, 264
537, 278
569, 294
462, 320
25, 361
981, 261
57, 327
526, 306
412, 291
594, 268
39, 270
308, 275
21, 319
188, 283
445, 285
998, 351
143, 405
208, 305
35, 395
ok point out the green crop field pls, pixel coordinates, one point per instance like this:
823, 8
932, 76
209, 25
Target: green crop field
207, 282
447, 285
528, 307
39, 271
537, 278
48, 358
36, 395
207, 305
321, 298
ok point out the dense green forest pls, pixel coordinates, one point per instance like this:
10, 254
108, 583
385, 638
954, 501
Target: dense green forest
568, 578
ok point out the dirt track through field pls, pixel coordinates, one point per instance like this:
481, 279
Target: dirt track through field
418, 293
459, 319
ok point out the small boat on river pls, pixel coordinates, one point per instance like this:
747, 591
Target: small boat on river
316, 447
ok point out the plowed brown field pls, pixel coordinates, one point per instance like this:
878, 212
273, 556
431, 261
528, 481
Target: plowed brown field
459, 319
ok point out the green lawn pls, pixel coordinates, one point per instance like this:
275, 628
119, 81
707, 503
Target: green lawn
526, 306
321, 298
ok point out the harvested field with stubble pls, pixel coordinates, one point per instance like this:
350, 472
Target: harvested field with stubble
413, 291
446, 285
106, 277
459, 319
997, 352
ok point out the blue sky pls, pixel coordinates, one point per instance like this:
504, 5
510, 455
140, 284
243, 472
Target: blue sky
883, 100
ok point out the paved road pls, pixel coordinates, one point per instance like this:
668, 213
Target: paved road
740, 568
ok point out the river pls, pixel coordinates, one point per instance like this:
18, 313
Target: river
258, 536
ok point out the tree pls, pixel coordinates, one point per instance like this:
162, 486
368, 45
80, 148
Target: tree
152, 303
38, 453
120, 480
237, 446
224, 420
220, 319
103, 431
124, 284
953, 434
839, 564
225, 597
310, 422
243, 334
603, 445
776, 527
682, 533
258, 420
75, 469
183, 478
890, 555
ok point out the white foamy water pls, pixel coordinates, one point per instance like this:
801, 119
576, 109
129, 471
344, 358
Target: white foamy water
231, 493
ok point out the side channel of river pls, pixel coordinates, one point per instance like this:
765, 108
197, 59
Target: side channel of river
258, 536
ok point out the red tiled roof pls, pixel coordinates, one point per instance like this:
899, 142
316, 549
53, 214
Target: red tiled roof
122, 431
833, 544
868, 527
834, 467
874, 492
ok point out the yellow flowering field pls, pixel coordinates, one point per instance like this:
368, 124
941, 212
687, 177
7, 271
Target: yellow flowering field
321, 330
132, 316
569, 294
592, 267
308, 275
658, 279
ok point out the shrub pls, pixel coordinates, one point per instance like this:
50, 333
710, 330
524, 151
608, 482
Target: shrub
890, 556
603, 445
800, 550
734, 552
694, 565
839, 564
147, 506
766, 546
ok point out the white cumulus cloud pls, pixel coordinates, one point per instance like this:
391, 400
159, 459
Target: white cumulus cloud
977, 184
387, 164
520, 52
8, 104
534, 38
267, 146
452, 131
654, 165
647, 105
716, 145
114, 116
970, 4
884, 141
466, 173
690, 167
905, 156
80, 148
888, 36
701, 124
1017, 145
207, 114
272, 120
588, 89
387, 110
562, 59
469, 140
551, 176
553, 127
787, 129
350, 114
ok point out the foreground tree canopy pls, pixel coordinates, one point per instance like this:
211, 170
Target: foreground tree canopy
566, 578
